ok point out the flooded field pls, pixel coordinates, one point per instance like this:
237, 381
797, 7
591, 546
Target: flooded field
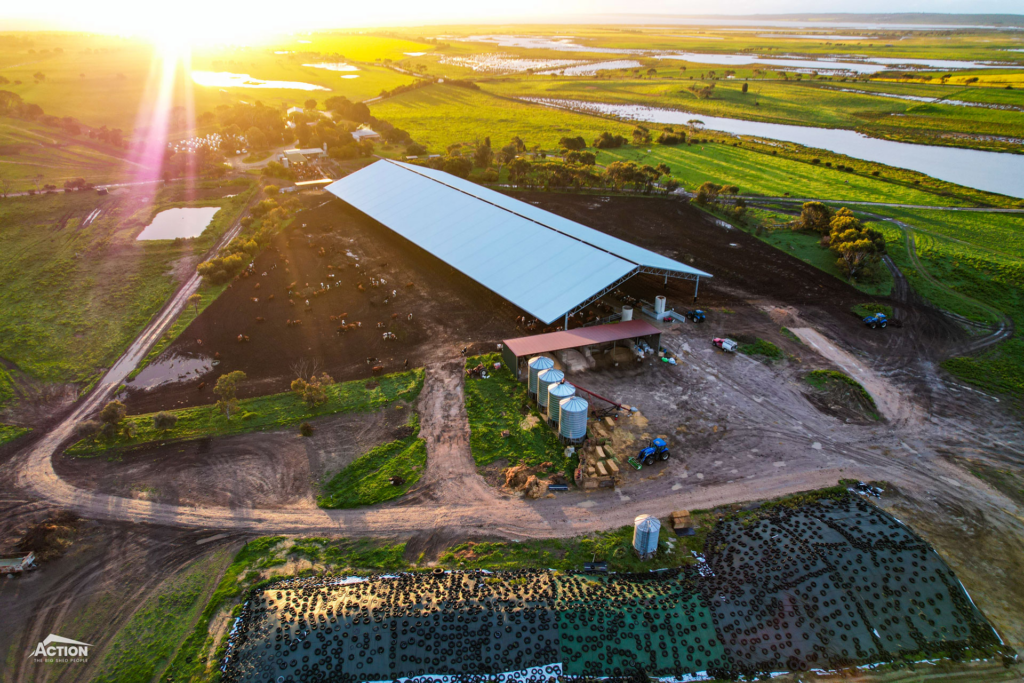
225, 79
333, 66
174, 223
829, 585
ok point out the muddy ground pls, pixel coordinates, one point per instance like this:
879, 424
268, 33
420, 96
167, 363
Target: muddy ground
259, 471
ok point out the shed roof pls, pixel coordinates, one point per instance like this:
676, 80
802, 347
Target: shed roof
583, 336
544, 264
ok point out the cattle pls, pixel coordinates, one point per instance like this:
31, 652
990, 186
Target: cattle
410, 317
255, 300
257, 286
242, 338
259, 319
377, 369
292, 323
394, 316
360, 287
290, 302
202, 385
408, 284
199, 342
270, 298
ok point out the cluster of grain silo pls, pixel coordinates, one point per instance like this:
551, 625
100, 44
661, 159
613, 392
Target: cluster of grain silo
557, 399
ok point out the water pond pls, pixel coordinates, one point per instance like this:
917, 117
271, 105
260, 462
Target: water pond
171, 371
225, 79
174, 223
990, 171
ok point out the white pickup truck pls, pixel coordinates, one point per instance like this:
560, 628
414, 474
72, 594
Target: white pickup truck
727, 345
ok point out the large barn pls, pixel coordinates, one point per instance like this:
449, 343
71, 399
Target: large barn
546, 265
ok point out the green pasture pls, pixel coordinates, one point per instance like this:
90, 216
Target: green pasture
33, 155
10, 432
367, 480
362, 47
1000, 233
272, 411
74, 296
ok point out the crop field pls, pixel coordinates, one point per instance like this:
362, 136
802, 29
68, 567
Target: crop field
362, 47
76, 290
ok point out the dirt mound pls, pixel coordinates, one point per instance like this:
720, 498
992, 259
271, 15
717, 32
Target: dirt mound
523, 479
50, 538
784, 316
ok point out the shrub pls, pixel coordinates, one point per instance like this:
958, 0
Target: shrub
306, 429
165, 420
87, 428
113, 413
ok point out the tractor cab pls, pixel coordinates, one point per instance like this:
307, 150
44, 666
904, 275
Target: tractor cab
696, 315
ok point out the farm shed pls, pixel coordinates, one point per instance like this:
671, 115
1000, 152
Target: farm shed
516, 352
546, 265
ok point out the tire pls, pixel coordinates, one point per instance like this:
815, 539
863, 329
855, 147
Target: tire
663, 455
883, 325
874, 326
649, 460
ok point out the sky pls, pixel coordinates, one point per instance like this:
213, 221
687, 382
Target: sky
206, 17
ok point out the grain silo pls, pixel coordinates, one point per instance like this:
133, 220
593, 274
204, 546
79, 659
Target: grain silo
645, 536
537, 364
627, 314
572, 419
556, 394
544, 380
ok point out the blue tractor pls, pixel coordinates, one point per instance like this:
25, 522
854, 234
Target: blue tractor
658, 450
877, 320
696, 315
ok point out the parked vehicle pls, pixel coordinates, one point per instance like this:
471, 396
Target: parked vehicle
727, 345
877, 320
696, 315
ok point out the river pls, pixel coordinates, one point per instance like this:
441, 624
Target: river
997, 172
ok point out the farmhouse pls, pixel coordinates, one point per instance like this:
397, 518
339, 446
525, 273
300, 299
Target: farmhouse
365, 134
548, 266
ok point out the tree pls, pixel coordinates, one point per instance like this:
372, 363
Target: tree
457, 166
507, 154
518, 170
671, 138
744, 88
608, 141
856, 246
663, 169
484, 155
310, 104
256, 138
695, 124
227, 388
518, 143
112, 414
164, 420
5, 187
195, 300
576, 143
271, 190
314, 390
815, 216
582, 158
707, 194
641, 136
652, 72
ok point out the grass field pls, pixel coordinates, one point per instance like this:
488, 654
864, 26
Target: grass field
367, 480
272, 411
360, 46
10, 433
493, 405
74, 295
33, 155
144, 646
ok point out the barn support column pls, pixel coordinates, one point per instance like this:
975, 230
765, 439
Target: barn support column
666, 282
695, 288
566, 321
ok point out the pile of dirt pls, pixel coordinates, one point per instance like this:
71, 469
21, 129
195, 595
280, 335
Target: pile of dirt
524, 479
50, 538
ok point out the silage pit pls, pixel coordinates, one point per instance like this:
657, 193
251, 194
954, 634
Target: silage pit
827, 586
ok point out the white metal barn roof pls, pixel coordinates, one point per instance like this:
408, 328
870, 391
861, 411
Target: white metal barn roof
544, 264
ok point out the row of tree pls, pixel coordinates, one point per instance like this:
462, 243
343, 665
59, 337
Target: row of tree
858, 248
